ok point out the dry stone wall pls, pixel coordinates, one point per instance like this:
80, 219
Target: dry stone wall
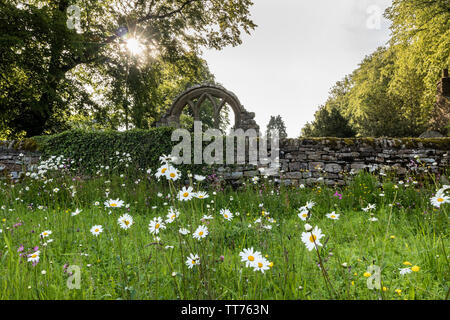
304, 161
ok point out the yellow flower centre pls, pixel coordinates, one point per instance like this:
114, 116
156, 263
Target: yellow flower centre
127, 222
200, 197
251, 258
440, 200
312, 238
260, 264
96, 230
163, 170
34, 256
200, 233
113, 204
157, 226
193, 261
186, 194
305, 215
226, 216
172, 175
333, 216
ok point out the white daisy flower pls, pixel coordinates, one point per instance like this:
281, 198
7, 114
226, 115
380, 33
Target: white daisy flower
156, 225
162, 171
185, 194
45, 233
173, 174
200, 233
226, 214
250, 257
333, 216
199, 178
201, 195
113, 203
370, 207
125, 221
34, 257
310, 204
193, 260
184, 231
96, 230
439, 200
312, 237
76, 212
404, 271
172, 215
261, 265
303, 215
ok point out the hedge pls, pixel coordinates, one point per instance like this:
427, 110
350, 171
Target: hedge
96, 148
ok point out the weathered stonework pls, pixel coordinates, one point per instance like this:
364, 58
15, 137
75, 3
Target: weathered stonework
307, 161
15, 158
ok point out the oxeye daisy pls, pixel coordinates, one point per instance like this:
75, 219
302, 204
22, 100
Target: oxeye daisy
303, 215
312, 238
439, 200
192, 260
261, 265
173, 174
333, 216
125, 221
200, 233
96, 230
250, 257
113, 203
76, 212
404, 271
310, 204
185, 194
199, 177
201, 195
45, 233
34, 257
162, 171
226, 214
172, 215
156, 225
184, 231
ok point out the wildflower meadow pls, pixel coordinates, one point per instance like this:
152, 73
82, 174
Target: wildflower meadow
163, 234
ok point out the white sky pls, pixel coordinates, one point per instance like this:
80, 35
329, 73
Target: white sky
296, 54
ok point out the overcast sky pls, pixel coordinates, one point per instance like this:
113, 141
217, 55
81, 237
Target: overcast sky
297, 53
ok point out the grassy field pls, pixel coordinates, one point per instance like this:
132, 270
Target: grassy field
65, 236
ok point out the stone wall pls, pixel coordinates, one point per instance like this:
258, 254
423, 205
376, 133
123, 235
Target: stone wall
306, 161
15, 158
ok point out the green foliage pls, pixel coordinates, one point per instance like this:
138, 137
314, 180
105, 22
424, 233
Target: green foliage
277, 123
96, 148
50, 73
328, 124
393, 91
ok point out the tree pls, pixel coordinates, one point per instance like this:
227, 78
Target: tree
328, 124
276, 123
40, 55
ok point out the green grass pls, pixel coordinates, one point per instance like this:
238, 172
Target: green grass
132, 264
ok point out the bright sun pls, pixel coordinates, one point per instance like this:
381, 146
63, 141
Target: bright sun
134, 46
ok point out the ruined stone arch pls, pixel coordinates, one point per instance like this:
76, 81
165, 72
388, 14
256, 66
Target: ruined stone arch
195, 96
